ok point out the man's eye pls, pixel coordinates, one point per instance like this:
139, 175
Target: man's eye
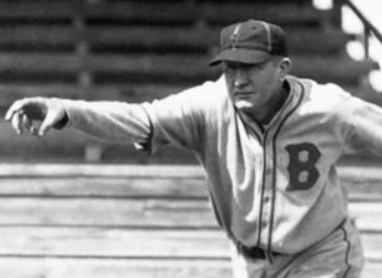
228, 69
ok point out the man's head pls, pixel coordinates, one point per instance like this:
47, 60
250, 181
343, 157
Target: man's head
251, 42
255, 62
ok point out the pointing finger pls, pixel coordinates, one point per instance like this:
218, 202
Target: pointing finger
16, 122
16, 107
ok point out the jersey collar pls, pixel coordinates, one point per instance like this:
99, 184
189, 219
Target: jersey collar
293, 100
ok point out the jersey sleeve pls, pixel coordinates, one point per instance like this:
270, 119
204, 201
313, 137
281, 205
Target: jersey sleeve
365, 127
109, 120
179, 119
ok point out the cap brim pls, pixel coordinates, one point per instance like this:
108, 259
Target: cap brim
244, 56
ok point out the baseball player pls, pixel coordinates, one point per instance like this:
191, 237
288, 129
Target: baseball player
268, 143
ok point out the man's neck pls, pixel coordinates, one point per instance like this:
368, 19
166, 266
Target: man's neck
274, 106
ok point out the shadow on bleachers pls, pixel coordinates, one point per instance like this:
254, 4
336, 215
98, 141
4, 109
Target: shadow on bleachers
141, 50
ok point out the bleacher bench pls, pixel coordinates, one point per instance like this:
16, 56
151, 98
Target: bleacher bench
64, 220
103, 49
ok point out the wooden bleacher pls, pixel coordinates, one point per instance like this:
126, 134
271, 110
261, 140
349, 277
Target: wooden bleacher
106, 49
140, 50
137, 221
146, 221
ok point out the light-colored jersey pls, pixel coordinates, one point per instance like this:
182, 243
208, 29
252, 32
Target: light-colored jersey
275, 188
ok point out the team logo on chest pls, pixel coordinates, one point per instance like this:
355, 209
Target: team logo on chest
303, 173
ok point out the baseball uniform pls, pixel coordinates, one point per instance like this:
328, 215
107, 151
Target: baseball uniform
274, 189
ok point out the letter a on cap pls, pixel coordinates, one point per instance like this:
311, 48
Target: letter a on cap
235, 36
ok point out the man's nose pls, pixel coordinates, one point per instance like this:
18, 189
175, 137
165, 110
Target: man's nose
241, 78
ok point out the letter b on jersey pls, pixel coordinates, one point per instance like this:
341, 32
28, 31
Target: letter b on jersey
303, 173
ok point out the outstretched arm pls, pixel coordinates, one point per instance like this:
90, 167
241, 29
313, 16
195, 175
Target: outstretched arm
178, 119
107, 120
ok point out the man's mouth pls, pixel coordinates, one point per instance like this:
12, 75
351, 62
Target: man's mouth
243, 94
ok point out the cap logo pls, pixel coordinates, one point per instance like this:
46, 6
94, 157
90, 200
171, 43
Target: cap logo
235, 36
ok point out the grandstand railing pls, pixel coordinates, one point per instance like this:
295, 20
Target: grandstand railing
369, 28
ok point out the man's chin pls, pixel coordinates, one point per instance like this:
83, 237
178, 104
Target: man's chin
244, 105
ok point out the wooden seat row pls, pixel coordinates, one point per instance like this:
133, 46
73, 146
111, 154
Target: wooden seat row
190, 67
60, 220
161, 13
138, 39
140, 50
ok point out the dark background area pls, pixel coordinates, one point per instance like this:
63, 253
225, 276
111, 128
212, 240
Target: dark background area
142, 50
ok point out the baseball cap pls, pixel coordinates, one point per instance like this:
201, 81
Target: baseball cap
250, 42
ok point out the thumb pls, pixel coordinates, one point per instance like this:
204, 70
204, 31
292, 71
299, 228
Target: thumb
50, 120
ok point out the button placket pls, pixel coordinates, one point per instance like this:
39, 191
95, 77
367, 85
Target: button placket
266, 198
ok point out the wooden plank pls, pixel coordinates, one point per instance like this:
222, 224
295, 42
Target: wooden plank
316, 42
328, 69
213, 13
86, 180
44, 62
136, 268
14, 91
372, 244
157, 39
148, 66
359, 174
132, 12
120, 170
113, 243
282, 13
107, 212
323, 69
113, 268
134, 93
166, 13
80, 187
185, 39
27, 36
142, 268
367, 215
133, 187
372, 270
39, 9
71, 146
354, 177
100, 170
136, 212
127, 68
128, 243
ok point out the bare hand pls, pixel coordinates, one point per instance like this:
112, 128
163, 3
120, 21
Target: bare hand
24, 114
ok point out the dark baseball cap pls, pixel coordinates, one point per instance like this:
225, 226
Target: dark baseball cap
251, 42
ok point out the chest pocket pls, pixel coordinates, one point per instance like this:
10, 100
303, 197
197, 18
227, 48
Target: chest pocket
302, 169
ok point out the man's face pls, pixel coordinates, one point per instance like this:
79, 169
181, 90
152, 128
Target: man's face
252, 87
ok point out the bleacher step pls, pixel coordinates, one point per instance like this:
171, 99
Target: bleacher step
122, 68
136, 268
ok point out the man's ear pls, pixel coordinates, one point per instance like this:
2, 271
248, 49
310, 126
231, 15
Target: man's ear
285, 66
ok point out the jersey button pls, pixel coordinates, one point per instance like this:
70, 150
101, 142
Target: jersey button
266, 199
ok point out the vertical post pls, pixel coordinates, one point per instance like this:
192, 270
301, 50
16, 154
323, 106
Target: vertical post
336, 17
93, 149
366, 41
82, 52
